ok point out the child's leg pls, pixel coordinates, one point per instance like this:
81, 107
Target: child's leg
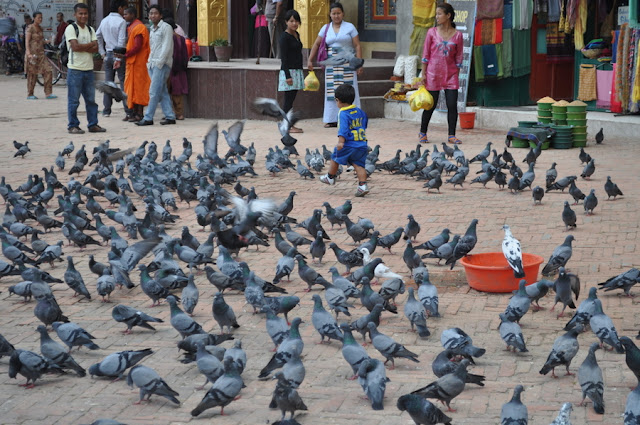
361, 173
333, 168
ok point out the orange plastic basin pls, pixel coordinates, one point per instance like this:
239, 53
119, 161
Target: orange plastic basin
490, 272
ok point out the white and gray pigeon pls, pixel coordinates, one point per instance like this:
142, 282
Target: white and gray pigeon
511, 334
352, 352
559, 257
132, 317
389, 348
602, 326
512, 252
590, 379
223, 314
624, 281
115, 364
223, 391
324, 322
564, 416
190, 295
150, 383
415, 312
372, 377
518, 304
564, 349
422, 411
55, 352
73, 335
459, 342
632, 408
428, 295
515, 412
30, 365
237, 355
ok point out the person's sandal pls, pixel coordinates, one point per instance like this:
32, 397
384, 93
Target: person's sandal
454, 140
296, 130
76, 130
423, 138
331, 125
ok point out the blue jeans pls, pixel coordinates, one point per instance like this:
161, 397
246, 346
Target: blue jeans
110, 75
159, 93
81, 83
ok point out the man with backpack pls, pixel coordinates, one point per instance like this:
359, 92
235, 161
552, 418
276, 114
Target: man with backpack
81, 43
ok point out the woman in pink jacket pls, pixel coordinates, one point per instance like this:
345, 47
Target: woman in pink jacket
441, 63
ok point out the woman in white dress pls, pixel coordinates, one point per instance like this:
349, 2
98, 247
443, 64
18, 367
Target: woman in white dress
339, 35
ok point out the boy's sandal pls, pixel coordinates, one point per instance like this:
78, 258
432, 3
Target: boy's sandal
454, 140
331, 125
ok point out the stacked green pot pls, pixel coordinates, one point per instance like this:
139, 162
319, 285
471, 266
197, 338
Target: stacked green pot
563, 138
544, 110
559, 112
577, 117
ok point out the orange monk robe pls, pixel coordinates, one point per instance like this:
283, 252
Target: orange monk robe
136, 80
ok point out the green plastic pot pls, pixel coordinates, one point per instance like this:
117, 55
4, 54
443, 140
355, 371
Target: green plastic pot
517, 142
577, 108
545, 144
580, 137
562, 145
579, 143
544, 120
544, 106
545, 114
576, 115
580, 130
577, 123
559, 109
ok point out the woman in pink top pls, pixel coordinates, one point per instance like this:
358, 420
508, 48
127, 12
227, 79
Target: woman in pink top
441, 63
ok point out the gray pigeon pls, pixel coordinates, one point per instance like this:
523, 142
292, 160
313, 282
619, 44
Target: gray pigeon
372, 377
428, 294
612, 189
511, 334
6, 349
73, 278
106, 285
460, 343
589, 169
412, 228
564, 349
352, 352
447, 387
223, 314
318, 248
389, 348
537, 291
447, 362
57, 353
150, 383
237, 355
291, 346
344, 284
435, 242
559, 257
422, 411
286, 265
286, 397
190, 295
415, 312
73, 335
624, 281
223, 391
151, 287
360, 324
518, 304
561, 184
411, 257
114, 365
180, 321
590, 379
632, 408
515, 412
47, 309
277, 327
538, 194
568, 217
585, 311
602, 326
294, 371
590, 202
324, 322
132, 317
564, 286
253, 293
564, 416
30, 365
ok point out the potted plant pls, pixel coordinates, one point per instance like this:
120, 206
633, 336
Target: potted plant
222, 49
97, 62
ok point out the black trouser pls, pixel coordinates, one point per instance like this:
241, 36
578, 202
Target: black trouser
289, 97
451, 97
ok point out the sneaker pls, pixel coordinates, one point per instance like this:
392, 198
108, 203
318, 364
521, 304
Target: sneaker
349, 169
326, 180
362, 190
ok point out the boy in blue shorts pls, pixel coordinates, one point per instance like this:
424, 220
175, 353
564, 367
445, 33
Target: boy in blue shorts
352, 145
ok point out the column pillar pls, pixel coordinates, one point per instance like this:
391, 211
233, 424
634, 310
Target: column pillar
212, 21
314, 14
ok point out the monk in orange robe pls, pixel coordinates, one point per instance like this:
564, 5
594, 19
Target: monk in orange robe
136, 81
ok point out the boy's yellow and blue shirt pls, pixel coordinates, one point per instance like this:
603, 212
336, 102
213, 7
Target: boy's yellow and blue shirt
352, 122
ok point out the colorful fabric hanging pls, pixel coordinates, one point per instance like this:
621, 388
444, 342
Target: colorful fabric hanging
424, 17
507, 22
541, 8
587, 87
604, 79
488, 31
559, 49
580, 25
490, 9
487, 62
554, 11
522, 14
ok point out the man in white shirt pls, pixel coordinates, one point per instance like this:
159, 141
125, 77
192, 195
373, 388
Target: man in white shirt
159, 66
82, 44
112, 33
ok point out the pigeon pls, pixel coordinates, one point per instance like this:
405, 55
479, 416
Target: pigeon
564, 286
447, 362
391, 288
632, 355
286, 397
590, 202
285, 265
447, 387
411, 229
624, 281
632, 408
361, 324
415, 312
391, 239
428, 295
512, 252
590, 379
223, 314
410, 257
292, 345
304, 171
564, 349
484, 154
561, 184
514, 412
514, 184
55, 352
73, 335
568, 217
344, 56
190, 345
22, 149
599, 136
518, 304
324, 323
237, 355
6, 349
223, 391
422, 411
356, 230
551, 174
612, 189
538, 194
372, 377
369, 298
435, 242
589, 169
150, 383
190, 295
208, 365
132, 317
352, 352
106, 285
559, 257
576, 193
30, 365
282, 304
389, 348
348, 259
584, 312
112, 90
180, 321
318, 248
47, 309
537, 291
460, 343
277, 328
528, 177
564, 416
511, 334
465, 244
253, 294
445, 251
151, 287
602, 327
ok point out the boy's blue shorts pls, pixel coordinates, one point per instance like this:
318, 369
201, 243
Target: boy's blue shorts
349, 155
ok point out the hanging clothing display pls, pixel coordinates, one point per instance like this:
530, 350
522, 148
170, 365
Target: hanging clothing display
541, 8
488, 31
490, 9
521, 52
507, 53
580, 25
487, 62
522, 14
507, 21
559, 47
554, 11
587, 87
424, 17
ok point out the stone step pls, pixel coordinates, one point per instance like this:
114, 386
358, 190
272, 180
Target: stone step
373, 106
376, 72
374, 87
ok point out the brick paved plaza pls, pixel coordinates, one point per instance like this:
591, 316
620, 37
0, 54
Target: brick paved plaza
605, 245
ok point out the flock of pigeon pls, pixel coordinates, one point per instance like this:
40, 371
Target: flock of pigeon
134, 191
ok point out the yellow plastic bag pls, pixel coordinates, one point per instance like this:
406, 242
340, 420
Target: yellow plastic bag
311, 82
421, 99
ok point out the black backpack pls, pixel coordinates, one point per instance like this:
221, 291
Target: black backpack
64, 52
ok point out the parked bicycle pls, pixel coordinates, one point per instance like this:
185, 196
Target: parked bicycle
59, 71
